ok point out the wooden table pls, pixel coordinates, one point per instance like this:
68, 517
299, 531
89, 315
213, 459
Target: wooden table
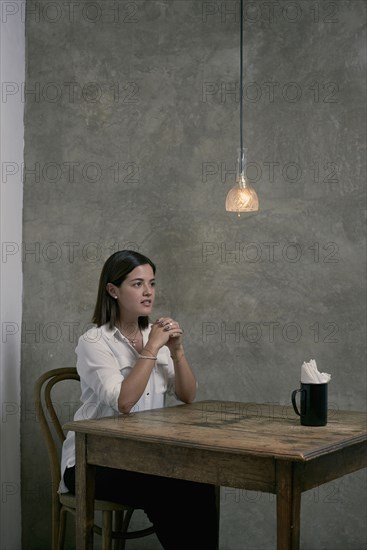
260, 447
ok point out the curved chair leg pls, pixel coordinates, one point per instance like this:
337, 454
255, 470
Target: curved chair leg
106, 530
125, 526
62, 527
56, 515
119, 544
128, 515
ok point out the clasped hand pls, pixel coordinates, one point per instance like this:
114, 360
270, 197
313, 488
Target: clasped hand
165, 332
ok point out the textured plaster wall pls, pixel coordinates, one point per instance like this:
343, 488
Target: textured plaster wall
131, 137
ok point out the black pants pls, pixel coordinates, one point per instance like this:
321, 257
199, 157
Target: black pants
183, 513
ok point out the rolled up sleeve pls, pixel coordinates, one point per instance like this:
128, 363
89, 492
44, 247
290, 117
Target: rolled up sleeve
99, 370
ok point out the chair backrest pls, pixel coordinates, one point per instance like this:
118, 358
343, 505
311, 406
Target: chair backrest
48, 418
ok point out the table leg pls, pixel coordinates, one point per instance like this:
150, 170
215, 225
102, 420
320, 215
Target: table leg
84, 480
217, 503
288, 506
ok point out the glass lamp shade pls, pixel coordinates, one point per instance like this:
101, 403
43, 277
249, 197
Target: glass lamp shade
242, 197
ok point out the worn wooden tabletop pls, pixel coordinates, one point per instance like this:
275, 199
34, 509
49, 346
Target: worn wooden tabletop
258, 429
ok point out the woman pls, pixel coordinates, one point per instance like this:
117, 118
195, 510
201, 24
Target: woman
128, 364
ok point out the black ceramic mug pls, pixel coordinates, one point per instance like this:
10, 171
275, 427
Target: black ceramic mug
314, 403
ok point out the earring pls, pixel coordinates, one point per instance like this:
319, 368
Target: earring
115, 297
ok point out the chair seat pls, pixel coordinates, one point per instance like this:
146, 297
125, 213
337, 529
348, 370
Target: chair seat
69, 500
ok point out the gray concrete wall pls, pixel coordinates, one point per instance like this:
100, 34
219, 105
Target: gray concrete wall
132, 130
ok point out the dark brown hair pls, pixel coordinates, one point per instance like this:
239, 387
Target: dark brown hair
115, 270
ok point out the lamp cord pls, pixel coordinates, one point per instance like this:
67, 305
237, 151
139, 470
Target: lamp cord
241, 86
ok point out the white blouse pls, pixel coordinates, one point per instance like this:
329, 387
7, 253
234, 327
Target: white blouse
104, 359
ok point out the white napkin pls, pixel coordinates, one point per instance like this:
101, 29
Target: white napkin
311, 375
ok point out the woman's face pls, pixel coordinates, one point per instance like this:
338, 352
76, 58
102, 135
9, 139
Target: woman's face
136, 293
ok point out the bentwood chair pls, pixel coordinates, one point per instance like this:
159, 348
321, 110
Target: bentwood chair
64, 503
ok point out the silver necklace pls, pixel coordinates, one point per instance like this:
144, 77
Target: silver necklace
133, 341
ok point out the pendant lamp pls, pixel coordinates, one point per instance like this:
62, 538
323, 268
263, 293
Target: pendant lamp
242, 197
